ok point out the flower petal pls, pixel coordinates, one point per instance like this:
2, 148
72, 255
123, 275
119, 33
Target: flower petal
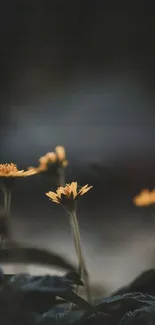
51, 157
65, 163
52, 196
73, 189
60, 152
84, 189
144, 198
60, 190
56, 201
43, 160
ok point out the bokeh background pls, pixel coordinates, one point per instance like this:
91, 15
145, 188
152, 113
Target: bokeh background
81, 74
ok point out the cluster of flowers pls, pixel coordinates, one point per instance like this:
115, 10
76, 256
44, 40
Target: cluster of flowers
69, 192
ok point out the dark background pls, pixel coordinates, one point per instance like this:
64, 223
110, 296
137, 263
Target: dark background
81, 74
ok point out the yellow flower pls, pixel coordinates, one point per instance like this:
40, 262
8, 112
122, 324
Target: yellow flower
10, 170
145, 198
66, 196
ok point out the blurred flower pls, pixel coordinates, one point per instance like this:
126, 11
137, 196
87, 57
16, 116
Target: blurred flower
61, 156
44, 161
52, 161
66, 196
145, 198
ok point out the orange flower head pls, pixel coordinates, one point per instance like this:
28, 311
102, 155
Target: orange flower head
10, 170
66, 196
145, 198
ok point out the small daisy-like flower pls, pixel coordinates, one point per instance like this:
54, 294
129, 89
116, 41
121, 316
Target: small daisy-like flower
11, 171
145, 198
67, 196
8, 173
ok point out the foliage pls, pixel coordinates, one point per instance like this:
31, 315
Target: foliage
45, 300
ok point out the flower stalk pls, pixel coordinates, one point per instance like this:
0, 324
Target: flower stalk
8, 174
61, 177
7, 201
81, 267
67, 197
7, 204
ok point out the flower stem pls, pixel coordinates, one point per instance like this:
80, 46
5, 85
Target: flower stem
7, 204
77, 240
61, 177
81, 267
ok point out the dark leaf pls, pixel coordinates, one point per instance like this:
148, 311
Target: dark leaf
40, 292
120, 305
34, 256
143, 316
74, 277
61, 316
144, 283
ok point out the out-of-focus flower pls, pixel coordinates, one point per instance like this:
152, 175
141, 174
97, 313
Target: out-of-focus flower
52, 161
66, 196
47, 160
11, 170
61, 156
145, 198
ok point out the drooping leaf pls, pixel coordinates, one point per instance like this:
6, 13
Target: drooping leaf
33, 255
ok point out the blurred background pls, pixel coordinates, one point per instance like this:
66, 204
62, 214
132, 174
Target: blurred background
81, 74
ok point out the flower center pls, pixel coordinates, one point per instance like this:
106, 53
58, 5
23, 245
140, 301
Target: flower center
7, 168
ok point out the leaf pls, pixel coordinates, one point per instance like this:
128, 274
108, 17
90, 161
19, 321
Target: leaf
40, 292
60, 316
119, 305
74, 277
143, 316
144, 283
33, 255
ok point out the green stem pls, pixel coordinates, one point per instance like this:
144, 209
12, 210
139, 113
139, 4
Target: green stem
81, 266
61, 177
7, 204
77, 240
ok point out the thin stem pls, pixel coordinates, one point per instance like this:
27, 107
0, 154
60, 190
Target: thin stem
1, 241
77, 240
81, 266
61, 177
7, 204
